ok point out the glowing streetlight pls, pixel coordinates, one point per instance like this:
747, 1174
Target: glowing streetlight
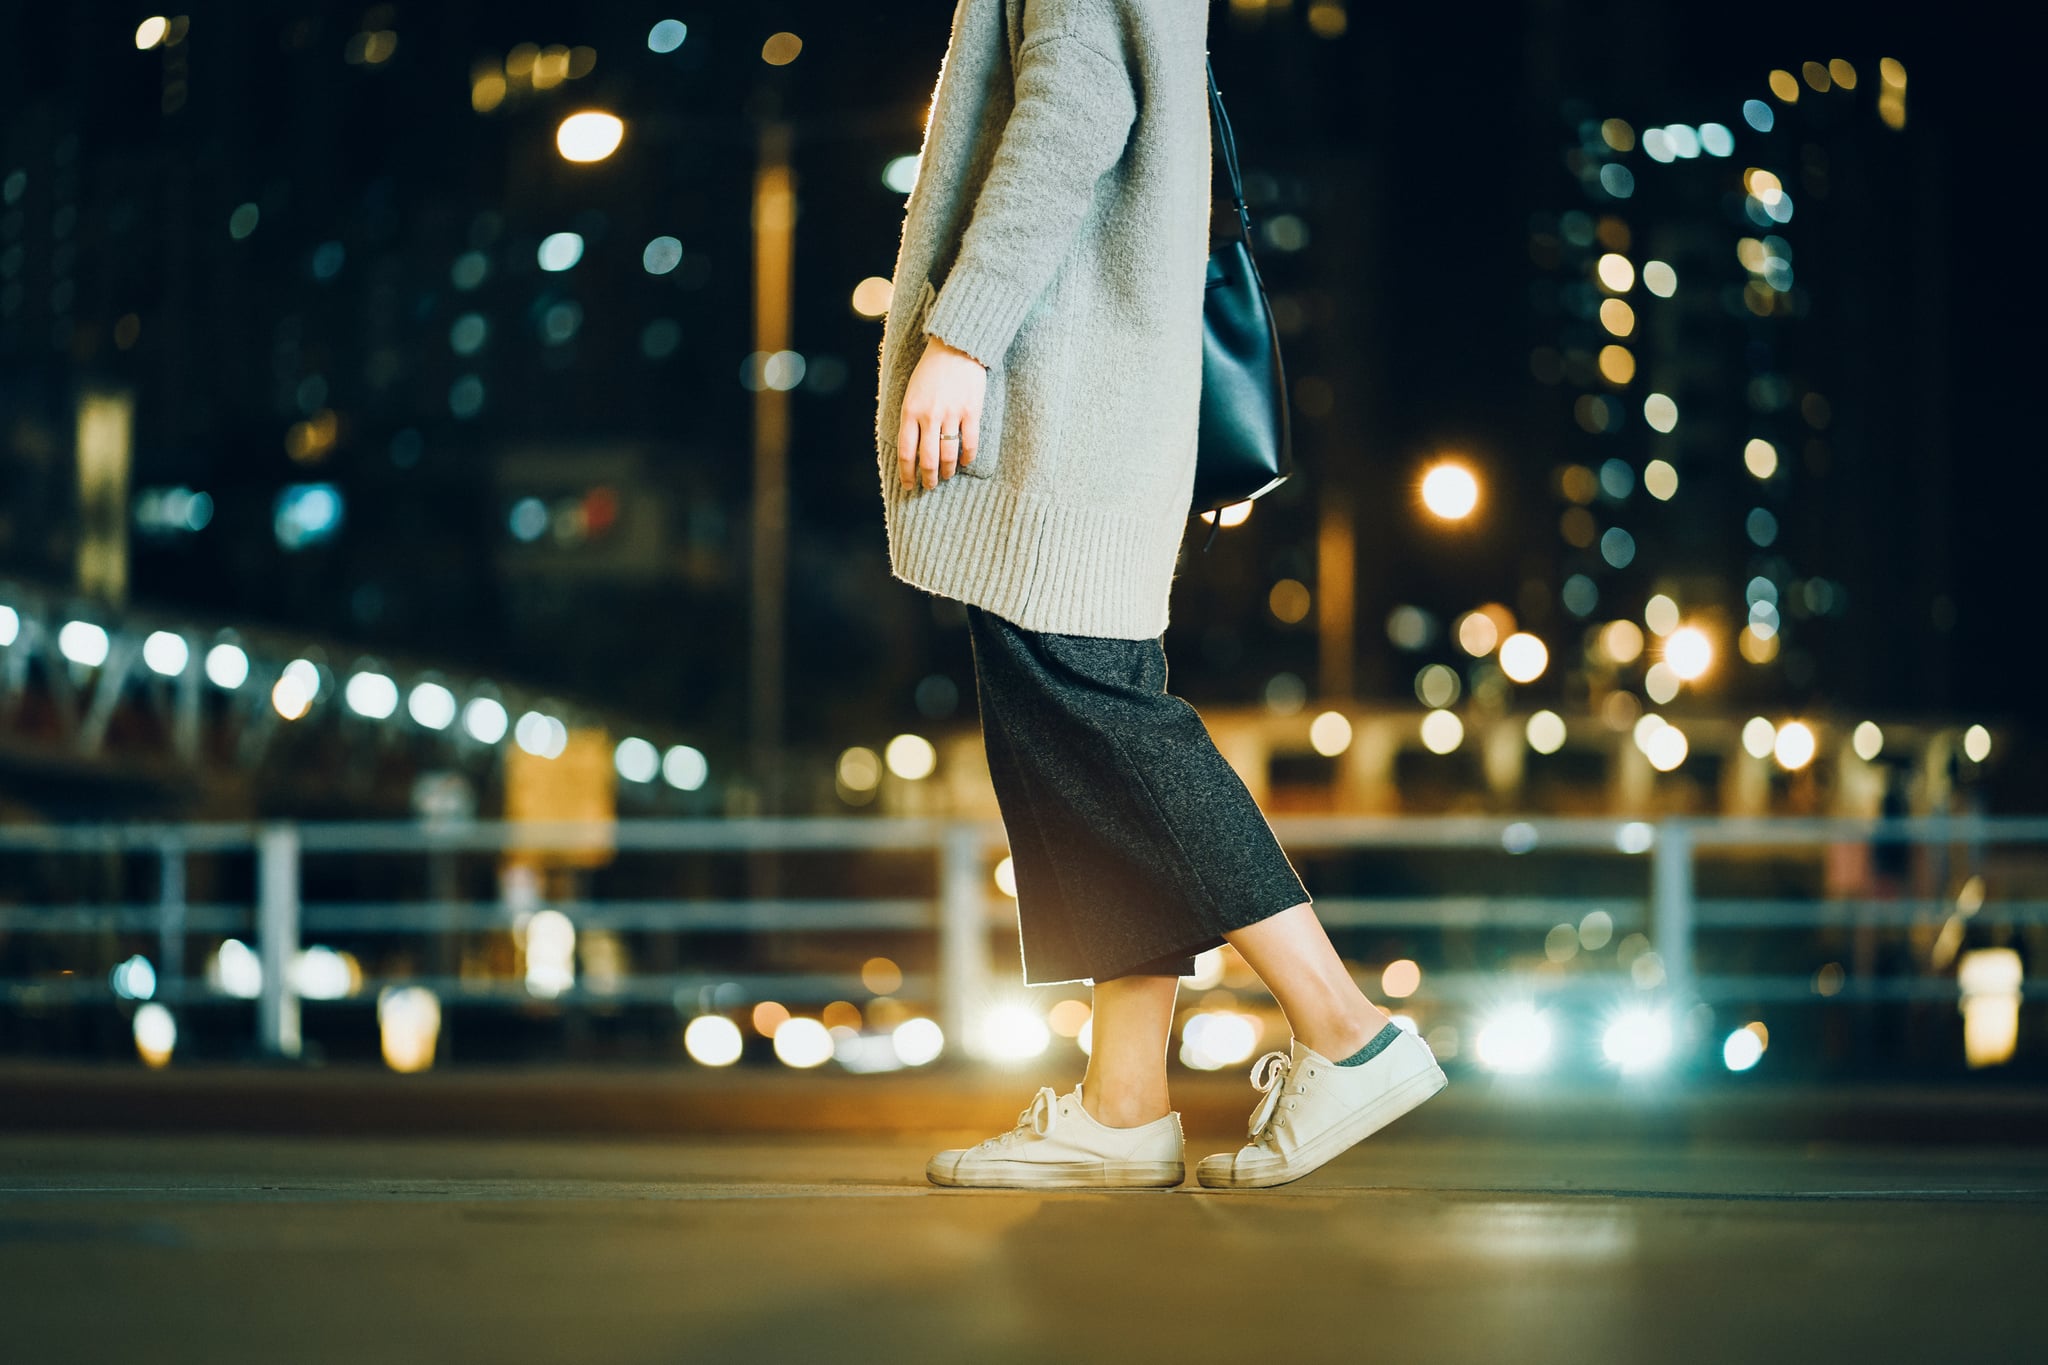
591, 135
1689, 653
1523, 657
1795, 745
1450, 491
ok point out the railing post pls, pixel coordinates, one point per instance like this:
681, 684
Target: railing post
963, 936
277, 939
170, 924
1671, 905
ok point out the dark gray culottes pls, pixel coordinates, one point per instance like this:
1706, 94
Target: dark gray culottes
1134, 843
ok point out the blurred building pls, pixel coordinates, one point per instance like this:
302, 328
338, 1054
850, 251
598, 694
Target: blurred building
308, 325
1737, 311
314, 344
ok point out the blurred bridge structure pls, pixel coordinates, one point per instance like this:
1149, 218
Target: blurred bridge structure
1491, 935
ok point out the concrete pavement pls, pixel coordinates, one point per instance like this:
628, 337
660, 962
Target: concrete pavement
1416, 1245
614, 1100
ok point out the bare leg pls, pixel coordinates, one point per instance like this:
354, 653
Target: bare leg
1296, 960
1125, 1084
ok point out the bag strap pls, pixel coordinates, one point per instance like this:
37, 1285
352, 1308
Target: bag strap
1227, 143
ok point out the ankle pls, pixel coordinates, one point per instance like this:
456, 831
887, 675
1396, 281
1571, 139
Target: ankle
1124, 1109
1338, 1036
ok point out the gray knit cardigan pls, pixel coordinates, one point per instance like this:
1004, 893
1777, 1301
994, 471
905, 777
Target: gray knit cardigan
1058, 233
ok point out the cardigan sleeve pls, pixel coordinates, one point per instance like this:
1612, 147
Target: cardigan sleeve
1073, 114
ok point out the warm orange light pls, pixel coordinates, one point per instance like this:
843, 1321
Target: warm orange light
590, 135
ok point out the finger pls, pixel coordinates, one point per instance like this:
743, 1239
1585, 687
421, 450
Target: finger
970, 437
928, 452
906, 451
949, 451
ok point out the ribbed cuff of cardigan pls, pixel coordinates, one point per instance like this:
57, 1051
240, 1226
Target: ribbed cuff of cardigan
1045, 564
978, 313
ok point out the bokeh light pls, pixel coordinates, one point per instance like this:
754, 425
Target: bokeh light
1013, 1033
1689, 653
589, 135
1743, 1048
713, 1040
911, 757
156, 1035
1637, 1040
1515, 1039
1622, 641
803, 1044
1794, 745
1976, 744
1450, 490
1523, 657
1442, 732
1545, 732
1329, 734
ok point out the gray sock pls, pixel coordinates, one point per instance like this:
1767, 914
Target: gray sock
1373, 1049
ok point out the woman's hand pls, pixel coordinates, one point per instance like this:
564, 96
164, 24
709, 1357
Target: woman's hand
943, 400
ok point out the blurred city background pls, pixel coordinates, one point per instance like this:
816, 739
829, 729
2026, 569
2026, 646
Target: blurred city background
444, 613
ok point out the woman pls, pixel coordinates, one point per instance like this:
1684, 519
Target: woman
1039, 387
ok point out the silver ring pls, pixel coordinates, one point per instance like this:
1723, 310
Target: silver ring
949, 436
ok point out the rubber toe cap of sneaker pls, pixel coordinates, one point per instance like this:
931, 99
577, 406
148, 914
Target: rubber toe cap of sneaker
945, 1164
1220, 1169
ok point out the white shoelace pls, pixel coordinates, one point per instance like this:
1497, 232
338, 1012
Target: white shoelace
1269, 1077
1040, 1116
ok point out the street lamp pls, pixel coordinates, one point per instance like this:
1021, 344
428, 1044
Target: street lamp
591, 135
1449, 490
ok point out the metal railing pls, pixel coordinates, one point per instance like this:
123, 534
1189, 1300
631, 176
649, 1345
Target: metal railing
964, 909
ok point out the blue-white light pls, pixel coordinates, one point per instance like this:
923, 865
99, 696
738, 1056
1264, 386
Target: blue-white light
685, 768
560, 250
166, 653
1758, 115
134, 979
528, 520
900, 174
637, 760
82, 642
307, 513
662, 255
431, 705
371, 695
541, 735
227, 666
1638, 1040
667, 35
1716, 139
468, 333
1517, 1040
485, 719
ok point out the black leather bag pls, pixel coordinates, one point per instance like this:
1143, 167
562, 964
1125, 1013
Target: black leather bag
1244, 448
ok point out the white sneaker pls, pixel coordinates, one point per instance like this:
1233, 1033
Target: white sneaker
1313, 1109
1057, 1144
